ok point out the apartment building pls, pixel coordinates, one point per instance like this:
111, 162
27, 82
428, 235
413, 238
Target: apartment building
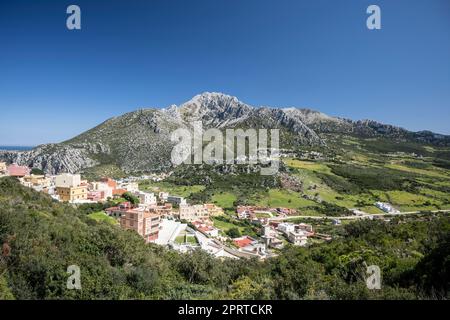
146, 198
72, 194
192, 213
70, 187
144, 222
67, 180
163, 211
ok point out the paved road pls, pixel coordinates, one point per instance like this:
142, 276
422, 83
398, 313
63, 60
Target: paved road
351, 217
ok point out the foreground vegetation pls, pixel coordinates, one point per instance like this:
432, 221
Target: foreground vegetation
41, 238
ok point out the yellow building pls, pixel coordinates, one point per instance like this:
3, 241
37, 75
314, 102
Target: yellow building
213, 210
72, 193
37, 181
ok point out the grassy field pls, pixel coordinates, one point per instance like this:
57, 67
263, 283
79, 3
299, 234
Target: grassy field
186, 239
427, 199
225, 226
432, 171
103, 217
224, 199
307, 165
405, 201
284, 198
183, 191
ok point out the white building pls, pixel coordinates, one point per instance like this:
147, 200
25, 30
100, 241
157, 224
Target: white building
386, 207
102, 186
130, 186
286, 227
67, 180
297, 234
163, 196
146, 198
298, 237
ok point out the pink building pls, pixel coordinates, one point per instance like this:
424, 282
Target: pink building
15, 170
96, 196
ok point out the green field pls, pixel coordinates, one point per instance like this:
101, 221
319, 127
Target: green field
224, 199
185, 238
284, 198
103, 217
182, 191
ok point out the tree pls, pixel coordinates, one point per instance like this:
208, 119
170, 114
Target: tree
233, 232
131, 198
37, 172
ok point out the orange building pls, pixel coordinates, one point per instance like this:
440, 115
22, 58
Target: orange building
145, 223
110, 182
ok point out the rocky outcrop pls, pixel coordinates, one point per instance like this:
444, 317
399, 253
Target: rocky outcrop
53, 158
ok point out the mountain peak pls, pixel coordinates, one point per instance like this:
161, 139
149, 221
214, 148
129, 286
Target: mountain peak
211, 98
214, 107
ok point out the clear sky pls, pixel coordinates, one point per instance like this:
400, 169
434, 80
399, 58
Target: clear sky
56, 83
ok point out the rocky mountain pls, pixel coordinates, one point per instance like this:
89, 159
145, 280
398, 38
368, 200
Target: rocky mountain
140, 141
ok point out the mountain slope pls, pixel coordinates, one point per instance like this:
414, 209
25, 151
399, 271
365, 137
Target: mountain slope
140, 141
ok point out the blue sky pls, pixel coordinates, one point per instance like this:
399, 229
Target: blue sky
56, 83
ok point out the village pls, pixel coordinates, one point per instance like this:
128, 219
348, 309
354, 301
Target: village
167, 219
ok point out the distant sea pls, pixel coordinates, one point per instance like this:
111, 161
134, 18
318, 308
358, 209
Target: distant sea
15, 148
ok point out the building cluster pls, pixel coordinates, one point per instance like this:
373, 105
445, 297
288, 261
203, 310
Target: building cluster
297, 234
259, 213
161, 218
311, 155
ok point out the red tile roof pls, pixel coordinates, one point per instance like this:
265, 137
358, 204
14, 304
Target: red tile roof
119, 192
242, 242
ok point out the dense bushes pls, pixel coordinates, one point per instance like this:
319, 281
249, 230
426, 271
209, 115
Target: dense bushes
372, 178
